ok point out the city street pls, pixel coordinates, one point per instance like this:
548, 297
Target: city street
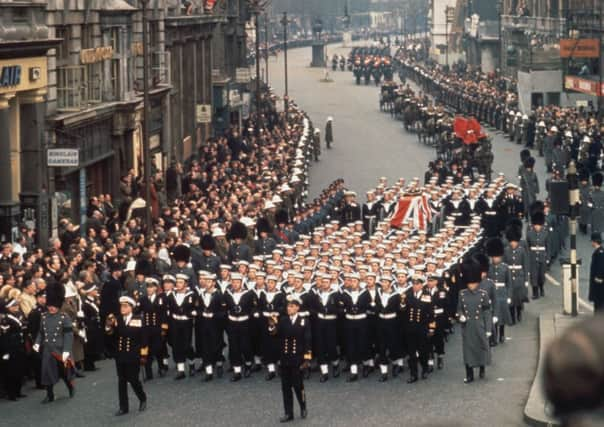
368, 144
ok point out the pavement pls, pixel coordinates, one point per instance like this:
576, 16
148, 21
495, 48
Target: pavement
368, 144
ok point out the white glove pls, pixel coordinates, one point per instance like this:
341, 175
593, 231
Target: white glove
36, 347
489, 334
80, 314
509, 300
65, 355
6, 357
462, 318
526, 284
495, 319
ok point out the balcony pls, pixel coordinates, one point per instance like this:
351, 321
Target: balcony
533, 24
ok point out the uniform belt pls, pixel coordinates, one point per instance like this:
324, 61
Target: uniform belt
327, 316
207, 315
439, 310
303, 313
270, 314
180, 317
499, 284
515, 267
356, 316
598, 280
387, 316
238, 318
537, 248
490, 213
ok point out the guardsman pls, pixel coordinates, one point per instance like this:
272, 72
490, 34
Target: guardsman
536, 242
208, 261
94, 345
529, 183
211, 312
499, 273
440, 301
239, 250
487, 285
389, 332
182, 264
418, 314
475, 316
131, 352
516, 258
355, 303
596, 273
181, 305
33, 327
54, 341
240, 305
293, 332
153, 314
271, 305
325, 306
265, 244
13, 361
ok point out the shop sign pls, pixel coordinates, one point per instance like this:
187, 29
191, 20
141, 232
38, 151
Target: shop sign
578, 84
96, 54
203, 113
242, 75
17, 75
63, 157
10, 76
579, 48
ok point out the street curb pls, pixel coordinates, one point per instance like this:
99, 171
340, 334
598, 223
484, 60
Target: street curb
535, 408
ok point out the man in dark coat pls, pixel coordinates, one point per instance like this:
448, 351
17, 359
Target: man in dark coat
238, 250
93, 347
208, 261
596, 273
182, 265
293, 331
265, 244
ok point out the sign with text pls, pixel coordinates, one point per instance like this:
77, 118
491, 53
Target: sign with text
578, 84
203, 113
242, 75
63, 157
96, 54
579, 48
21, 74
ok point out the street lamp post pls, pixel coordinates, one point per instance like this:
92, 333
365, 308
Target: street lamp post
284, 22
145, 145
574, 200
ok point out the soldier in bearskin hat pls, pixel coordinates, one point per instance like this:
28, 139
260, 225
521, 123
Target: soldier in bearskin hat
209, 261
500, 275
516, 258
265, 244
182, 265
239, 250
538, 251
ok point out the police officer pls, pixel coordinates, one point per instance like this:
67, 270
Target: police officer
131, 351
294, 335
596, 273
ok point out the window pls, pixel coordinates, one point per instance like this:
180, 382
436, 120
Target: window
62, 32
87, 36
94, 82
115, 39
70, 88
115, 79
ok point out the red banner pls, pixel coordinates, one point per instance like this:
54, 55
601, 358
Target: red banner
578, 84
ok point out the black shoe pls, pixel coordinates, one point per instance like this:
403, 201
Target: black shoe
412, 379
303, 413
142, 406
192, 370
425, 374
352, 378
336, 371
430, 369
235, 377
48, 399
270, 376
323, 378
481, 372
501, 338
247, 371
286, 418
256, 368
542, 292
148, 376
396, 369
365, 371
468, 380
219, 371
80, 375
180, 376
384, 378
71, 391
439, 363
121, 412
162, 372
208, 378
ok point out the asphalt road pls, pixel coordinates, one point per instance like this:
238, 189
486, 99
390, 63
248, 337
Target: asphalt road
368, 144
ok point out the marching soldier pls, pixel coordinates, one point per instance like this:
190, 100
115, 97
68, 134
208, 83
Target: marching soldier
239, 250
418, 314
54, 342
211, 313
182, 257
440, 300
131, 352
13, 362
94, 345
265, 244
487, 285
355, 303
499, 273
153, 314
181, 306
516, 258
388, 329
33, 327
271, 305
538, 251
168, 283
474, 315
529, 183
294, 335
370, 213
326, 305
596, 273
208, 261
351, 211
240, 304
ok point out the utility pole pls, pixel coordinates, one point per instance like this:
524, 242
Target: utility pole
266, 40
286, 96
257, 13
574, 201
146, 153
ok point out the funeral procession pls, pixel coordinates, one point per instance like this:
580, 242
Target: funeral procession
313, 212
